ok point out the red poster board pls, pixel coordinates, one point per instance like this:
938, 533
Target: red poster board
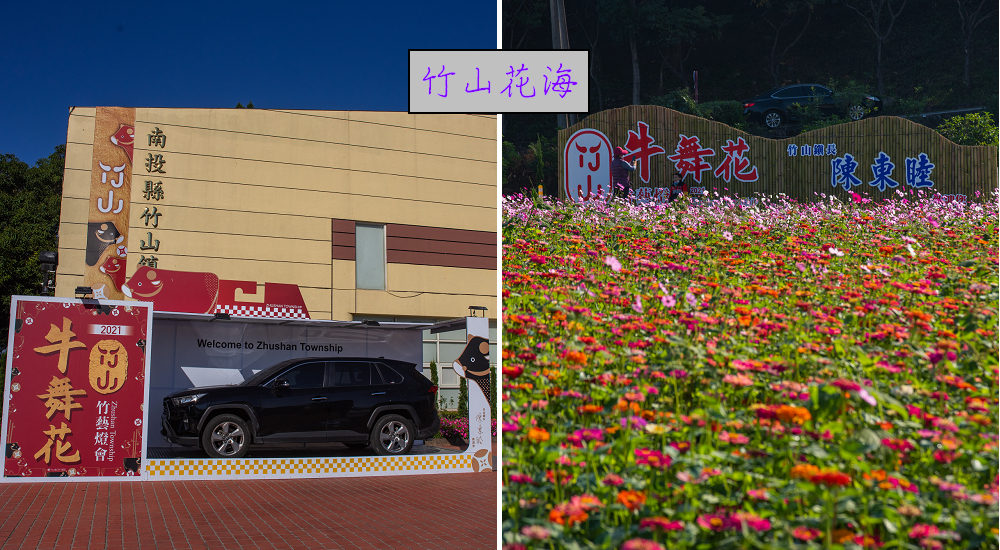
75, 389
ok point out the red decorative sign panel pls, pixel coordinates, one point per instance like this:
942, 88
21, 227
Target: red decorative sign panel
76, 388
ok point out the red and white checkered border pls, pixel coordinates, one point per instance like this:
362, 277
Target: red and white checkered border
263, 311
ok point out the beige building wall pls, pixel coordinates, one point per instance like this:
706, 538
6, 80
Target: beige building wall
249, 194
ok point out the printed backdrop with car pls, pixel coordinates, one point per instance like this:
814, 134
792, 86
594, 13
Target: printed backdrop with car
86, 385
878, 156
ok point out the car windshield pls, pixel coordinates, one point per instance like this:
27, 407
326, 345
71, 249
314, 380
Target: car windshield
263, 375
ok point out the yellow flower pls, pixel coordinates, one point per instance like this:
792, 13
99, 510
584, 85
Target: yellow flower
655, 428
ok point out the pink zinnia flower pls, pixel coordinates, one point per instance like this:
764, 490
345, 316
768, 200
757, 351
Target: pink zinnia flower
806, 533
738, 379
520, 478
923, 530
536, 532
846, 385
735, 438
586, 501
613, 480
641, 544
614, 263
899, 445
752, 520
651, 458
712, 522
660, 522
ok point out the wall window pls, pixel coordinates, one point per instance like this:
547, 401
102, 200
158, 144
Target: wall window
443, 348
370, 263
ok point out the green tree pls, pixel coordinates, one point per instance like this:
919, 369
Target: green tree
971, 18
30, 198
879, 17
676, 30
971, 129
780, 16
520, 18
434, 380
627, 20
463, 398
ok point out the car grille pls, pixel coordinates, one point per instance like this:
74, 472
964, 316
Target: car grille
169, 408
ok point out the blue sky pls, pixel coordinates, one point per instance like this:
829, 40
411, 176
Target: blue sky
284, 55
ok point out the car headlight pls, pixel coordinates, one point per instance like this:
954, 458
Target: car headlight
187, 399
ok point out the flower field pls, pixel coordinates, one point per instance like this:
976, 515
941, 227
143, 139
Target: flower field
782, 376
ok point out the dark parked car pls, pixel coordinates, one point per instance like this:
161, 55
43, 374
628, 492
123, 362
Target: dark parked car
772, 107
356, 401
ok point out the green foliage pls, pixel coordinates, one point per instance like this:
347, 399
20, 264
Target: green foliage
524, 170
240, 105
434, 380
30, 199
812, 117
850, 94
679, 100
463, 398
509, 157
726, 112
971, 129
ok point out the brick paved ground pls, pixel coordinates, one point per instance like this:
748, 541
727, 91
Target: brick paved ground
422, 511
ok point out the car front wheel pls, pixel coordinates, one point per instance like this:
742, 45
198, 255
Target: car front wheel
226, 436
392, 435
856, 112
773, 119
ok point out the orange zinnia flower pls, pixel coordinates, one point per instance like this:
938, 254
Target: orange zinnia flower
788, 413
567, 514
537, 435
633, 500
841, 535
804, 471
877, 475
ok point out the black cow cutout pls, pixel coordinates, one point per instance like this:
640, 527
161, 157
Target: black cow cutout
475, 362
100, 235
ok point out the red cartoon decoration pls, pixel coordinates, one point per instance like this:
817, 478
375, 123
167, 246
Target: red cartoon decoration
191, 292
640, 146
124, 138
114, 267
734, 164
181, 291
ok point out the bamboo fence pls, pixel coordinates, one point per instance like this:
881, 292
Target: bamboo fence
958, 169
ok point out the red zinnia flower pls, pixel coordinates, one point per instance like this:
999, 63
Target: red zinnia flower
831, 478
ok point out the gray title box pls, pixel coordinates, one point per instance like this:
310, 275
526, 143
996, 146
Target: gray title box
499, 81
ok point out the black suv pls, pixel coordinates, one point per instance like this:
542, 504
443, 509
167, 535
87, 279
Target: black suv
772, 107
356, 401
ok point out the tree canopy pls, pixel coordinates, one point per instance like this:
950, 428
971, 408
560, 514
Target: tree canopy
30, 199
